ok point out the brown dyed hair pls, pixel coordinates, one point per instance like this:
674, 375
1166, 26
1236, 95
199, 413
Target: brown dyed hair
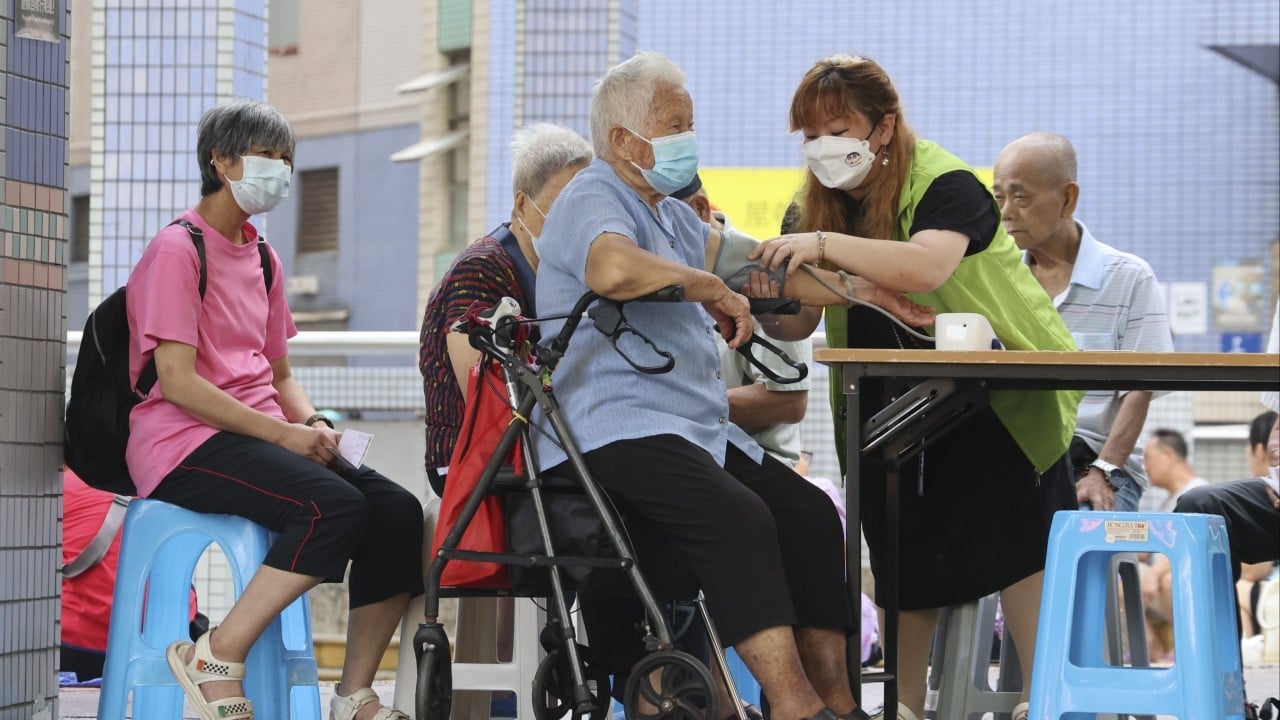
837, 86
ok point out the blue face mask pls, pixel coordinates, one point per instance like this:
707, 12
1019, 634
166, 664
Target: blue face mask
675, 161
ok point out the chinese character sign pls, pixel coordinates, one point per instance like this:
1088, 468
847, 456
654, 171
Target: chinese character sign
38, 20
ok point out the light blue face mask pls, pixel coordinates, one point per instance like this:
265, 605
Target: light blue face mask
675, 161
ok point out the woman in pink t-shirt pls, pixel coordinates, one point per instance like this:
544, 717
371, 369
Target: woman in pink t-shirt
227, 429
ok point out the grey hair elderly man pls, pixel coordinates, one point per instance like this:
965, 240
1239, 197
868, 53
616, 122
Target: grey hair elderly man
765, 545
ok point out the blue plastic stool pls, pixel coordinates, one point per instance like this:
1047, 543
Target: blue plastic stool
1071, 670
159, 549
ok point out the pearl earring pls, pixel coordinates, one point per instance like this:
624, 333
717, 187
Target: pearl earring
885, 161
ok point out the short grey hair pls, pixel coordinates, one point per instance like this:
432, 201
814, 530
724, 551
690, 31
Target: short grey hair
542, 150
233, 129
624, 96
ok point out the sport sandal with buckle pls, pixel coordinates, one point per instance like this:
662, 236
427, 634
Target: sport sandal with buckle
345, 708
205, 668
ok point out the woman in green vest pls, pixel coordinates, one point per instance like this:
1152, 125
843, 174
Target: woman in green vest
908, 216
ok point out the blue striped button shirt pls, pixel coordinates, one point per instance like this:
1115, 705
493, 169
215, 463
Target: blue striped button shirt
1112, 303
603, 398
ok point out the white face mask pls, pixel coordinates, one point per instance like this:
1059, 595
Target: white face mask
264, 184
533, 239
840, 163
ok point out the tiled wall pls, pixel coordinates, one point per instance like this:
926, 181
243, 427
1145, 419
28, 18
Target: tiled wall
155, 71
33, 232
558, 51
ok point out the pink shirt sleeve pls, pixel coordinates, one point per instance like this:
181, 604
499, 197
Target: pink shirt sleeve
169, 305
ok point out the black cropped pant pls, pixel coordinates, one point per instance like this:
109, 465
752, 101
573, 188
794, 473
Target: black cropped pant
765, 545
324, 519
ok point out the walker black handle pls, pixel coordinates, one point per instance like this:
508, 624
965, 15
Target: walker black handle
670, 293
775, 306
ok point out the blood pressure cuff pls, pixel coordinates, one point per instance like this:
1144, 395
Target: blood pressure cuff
733, 267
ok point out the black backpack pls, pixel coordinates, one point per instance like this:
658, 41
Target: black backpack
96, 431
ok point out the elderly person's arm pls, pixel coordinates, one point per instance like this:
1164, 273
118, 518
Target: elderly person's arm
618, 269
922, 264
183, 386
815, 288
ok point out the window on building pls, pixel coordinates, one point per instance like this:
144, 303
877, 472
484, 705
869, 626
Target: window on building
79, 222
318, 210
458, 105
282, 27
453, 33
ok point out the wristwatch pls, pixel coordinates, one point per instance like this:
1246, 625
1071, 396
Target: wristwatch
1109, 472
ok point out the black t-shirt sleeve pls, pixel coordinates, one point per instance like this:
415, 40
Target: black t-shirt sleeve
957, 201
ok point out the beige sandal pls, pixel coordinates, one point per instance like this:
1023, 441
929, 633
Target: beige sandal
345, 708
204, 668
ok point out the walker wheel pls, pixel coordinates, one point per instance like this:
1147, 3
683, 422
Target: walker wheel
673, 682
553, 686
434, 697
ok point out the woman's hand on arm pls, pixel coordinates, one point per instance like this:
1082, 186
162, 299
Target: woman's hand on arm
619, 270
922, 264
815, 287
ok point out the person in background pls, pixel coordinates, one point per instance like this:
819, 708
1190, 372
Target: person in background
227, 428
1109, 299
1165, 457
1250, 508
907, 216
769, 411
502, 263
1252, 575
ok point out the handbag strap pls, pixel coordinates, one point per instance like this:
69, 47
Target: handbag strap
101, 542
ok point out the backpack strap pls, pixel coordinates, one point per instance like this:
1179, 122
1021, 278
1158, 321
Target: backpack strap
265, 256
197, 239
101, 542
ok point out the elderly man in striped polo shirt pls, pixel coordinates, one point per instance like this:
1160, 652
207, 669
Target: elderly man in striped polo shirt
1109, 299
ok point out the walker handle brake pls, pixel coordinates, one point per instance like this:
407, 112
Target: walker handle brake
802, 370
609, 320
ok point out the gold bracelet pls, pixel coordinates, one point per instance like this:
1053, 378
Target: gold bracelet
822, 245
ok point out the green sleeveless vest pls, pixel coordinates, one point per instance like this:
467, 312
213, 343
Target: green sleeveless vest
997, 284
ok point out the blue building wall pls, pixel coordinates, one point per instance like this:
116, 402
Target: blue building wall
1179, 147
374, 270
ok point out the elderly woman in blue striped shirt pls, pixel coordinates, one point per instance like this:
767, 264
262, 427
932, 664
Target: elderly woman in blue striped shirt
765, 545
